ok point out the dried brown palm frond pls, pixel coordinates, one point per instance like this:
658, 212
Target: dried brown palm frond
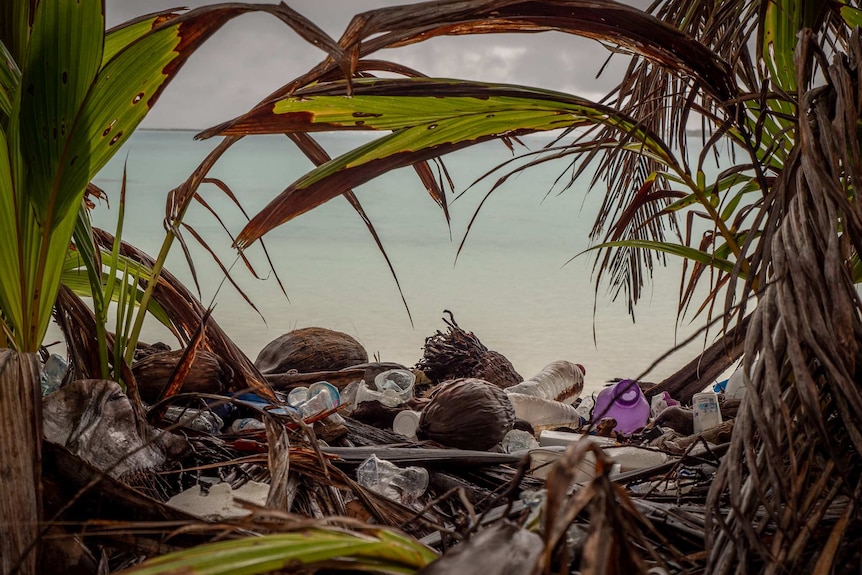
618, 540
186, 313
796, 452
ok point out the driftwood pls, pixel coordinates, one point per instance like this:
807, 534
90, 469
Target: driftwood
706, 367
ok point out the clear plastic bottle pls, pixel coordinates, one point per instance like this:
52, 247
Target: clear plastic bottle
560, 381
542, 412
625, 402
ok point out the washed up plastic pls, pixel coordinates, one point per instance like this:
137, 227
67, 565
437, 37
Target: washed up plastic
322, 396
198, 419
396, 381
256, 401
406, 422
246, 424
660, 402
736, 387
544, 412
53, 373
518, 440
219, 502
550, 438
628, 457
543, 458
585, 408
625, 402
297, 396
406, 484
632, 457
560, 381
707, 413
388, 398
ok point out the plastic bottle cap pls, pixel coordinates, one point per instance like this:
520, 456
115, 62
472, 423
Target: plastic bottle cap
406, 422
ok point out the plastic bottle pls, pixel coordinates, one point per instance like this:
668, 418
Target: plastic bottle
625, 402
560, 381
706, 412
544, 412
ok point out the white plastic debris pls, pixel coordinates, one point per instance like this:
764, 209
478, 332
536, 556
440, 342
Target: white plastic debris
220, 502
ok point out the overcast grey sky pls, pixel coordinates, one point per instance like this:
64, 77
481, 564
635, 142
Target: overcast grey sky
255, 54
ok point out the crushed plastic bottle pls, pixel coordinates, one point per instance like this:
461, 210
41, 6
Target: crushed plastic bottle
197, 419
518, 440
406, 484
53, 373
560, 381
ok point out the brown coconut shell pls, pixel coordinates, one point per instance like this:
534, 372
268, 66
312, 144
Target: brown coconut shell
467, 413
208, 374
459, 354
310, 349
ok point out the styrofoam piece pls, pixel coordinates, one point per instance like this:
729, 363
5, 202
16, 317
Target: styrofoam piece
219, 502
549, 438
543, 459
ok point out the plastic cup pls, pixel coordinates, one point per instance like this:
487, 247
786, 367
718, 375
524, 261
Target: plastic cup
297, 396
320, 386
406, 422
389, 398
397, 381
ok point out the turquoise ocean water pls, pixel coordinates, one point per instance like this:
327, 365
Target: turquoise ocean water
509, 285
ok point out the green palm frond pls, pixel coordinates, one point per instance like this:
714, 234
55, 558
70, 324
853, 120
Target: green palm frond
377, 551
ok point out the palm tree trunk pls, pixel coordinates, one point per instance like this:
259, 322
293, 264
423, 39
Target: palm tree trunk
20, 461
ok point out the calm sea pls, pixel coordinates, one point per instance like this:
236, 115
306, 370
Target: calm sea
511, 285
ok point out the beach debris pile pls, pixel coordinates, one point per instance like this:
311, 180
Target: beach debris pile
439, 454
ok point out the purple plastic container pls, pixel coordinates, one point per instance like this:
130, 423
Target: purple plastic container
625, 402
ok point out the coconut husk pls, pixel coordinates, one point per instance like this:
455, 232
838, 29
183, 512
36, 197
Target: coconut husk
459, 354
209, 373
310, 349
467, 414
